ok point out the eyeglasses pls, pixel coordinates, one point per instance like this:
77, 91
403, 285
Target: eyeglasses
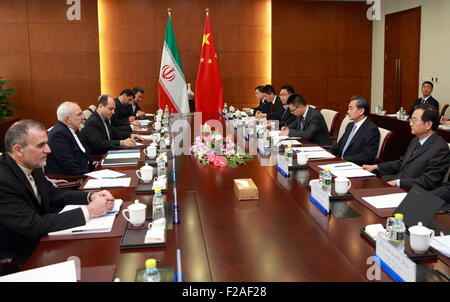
414, 121
292, 111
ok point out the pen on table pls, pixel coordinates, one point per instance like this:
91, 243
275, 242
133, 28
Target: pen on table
441, 273
342, 166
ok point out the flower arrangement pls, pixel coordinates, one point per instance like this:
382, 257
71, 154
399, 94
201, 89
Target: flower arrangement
220, 151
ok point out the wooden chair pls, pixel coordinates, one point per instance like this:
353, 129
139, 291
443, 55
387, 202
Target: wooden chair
87, 113
92, 108
330, 117
385, 137
444, 108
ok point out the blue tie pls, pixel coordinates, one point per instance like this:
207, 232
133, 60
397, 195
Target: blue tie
349, 139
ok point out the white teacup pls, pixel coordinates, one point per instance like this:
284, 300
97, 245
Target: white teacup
150, 151
136, 211
145, 173
302, 158
420, 238
342, 185
157, 126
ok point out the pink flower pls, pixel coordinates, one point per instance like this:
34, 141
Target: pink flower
212, 158
220, 161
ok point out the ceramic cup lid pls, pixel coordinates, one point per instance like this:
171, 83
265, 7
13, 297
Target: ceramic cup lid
419, 229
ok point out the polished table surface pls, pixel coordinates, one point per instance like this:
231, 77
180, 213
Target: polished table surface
281, 236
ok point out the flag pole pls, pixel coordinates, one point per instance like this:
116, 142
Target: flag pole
168, 11
207, 12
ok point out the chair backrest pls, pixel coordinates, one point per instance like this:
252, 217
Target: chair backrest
87, 113
344, 124
385, 136
444, 108
92, 108
448, 172
330, 117
50, 129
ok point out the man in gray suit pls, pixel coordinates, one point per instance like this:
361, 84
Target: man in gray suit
427, 158
309, 123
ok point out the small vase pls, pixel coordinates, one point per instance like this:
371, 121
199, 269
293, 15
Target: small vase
190, 93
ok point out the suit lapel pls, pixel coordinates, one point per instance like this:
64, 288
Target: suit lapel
97, 116
41, 183
21, 176
422, 149
356, 137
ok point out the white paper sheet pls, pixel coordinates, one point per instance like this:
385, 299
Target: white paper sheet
60, 272
107, 183
131, 154
147, 137
314, 152
385, 201
106, 173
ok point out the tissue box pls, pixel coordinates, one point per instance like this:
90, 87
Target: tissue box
245, 189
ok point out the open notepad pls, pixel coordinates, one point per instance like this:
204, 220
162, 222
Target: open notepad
347, 169
101, 224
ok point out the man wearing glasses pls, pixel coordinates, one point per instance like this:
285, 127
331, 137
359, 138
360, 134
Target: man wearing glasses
309, 123
427, 158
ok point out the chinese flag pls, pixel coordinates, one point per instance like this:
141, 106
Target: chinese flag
208, 87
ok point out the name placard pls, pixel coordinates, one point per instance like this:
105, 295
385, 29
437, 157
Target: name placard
394, 262
282, 165
320, 196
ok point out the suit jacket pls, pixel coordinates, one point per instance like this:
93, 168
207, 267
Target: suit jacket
121, 114
23, 220
364, 145
430, 100
263, 106
284, 117
136, 109
427, 167
96, 138
276, 109
315, 128
66, 157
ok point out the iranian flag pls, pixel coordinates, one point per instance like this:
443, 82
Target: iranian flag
172, 84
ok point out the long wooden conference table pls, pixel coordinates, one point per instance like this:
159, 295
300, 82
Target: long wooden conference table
282, 236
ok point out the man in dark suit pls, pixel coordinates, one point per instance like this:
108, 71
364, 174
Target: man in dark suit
122, 117
309, 123
98, 133
134, 107
359, 144
427, 158
29, 204
274, 105
427, 89
69, 155
262, 105
284, 116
